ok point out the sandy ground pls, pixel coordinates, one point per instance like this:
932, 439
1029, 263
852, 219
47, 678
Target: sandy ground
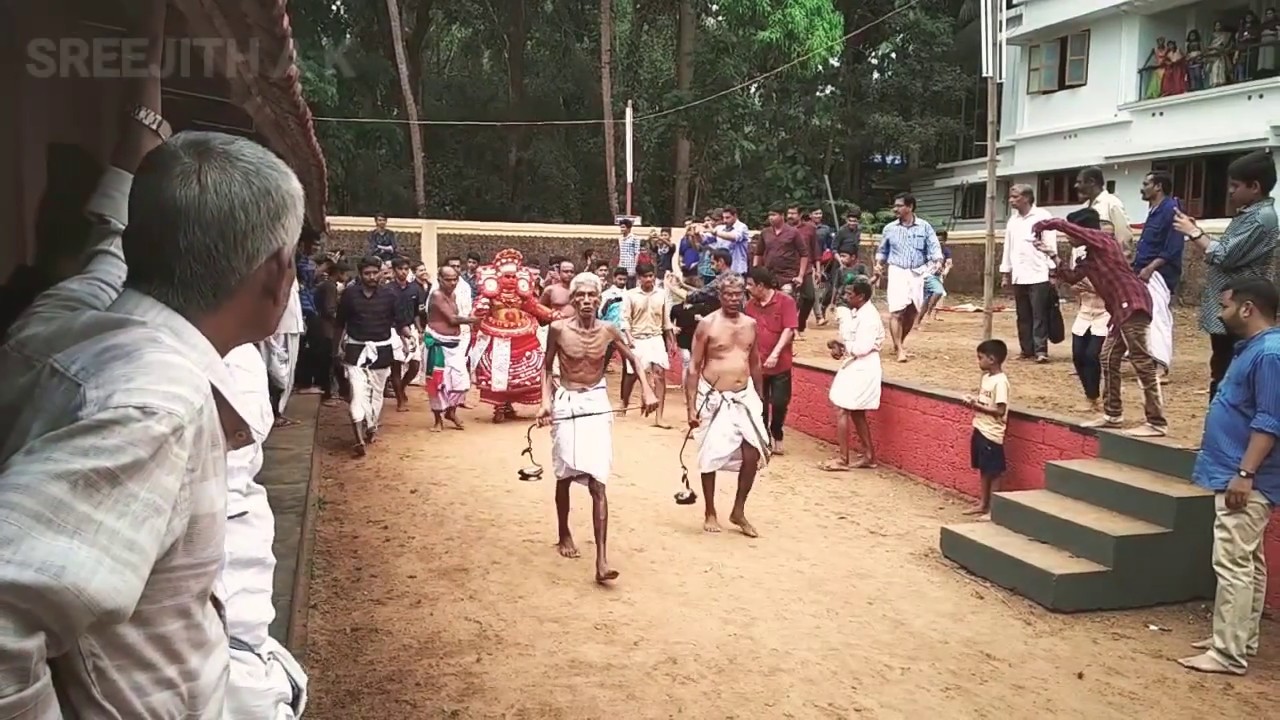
943, 356
438, 594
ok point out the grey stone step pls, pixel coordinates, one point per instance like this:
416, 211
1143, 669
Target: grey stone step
1134, 491
1155, 454
1048, 575
1082, 529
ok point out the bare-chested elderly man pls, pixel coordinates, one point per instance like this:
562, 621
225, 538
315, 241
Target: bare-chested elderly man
722, 391
581, 417
448, 378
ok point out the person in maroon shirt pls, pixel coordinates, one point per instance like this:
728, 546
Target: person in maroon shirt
806, 296
1129, 303
776, 319
783, 252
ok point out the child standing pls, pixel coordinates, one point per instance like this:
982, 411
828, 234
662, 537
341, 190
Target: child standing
935, 284
990, 419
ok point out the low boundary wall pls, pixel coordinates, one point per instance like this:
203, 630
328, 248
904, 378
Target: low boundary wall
925, 432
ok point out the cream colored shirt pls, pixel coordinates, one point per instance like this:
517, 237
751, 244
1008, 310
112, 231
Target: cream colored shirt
1111, 212
993, 392
645, 314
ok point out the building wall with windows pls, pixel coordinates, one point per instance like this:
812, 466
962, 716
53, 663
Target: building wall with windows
1084, 87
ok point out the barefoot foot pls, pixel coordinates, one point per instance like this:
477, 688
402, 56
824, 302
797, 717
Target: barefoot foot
604, 573
740, 520
865, 464
567, 548
437, 427
359, 450
977, 511
711, 524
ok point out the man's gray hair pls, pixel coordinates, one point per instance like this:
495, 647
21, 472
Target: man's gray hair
1025, 191
205, 211
585, 281
731, 280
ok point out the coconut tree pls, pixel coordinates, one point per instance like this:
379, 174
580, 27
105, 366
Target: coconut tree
411, 109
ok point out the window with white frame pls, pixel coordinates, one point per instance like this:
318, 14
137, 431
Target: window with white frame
1058, 64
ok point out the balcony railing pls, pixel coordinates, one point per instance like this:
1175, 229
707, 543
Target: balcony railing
1214, 67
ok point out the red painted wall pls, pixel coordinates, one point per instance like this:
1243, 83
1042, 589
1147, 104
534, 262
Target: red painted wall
926, 434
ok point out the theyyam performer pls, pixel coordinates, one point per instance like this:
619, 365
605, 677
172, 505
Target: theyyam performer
577, 407
722, 392
507, 355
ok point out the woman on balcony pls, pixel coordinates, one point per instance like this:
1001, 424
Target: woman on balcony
1219, 54
1174, 81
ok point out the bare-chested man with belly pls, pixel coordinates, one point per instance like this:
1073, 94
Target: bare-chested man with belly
722, 391
448, 376
557, 295
581, 417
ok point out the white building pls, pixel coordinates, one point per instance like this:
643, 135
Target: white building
1077, 93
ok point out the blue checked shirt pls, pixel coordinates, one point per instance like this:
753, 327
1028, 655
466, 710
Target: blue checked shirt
737, 247
628, 252
909, 246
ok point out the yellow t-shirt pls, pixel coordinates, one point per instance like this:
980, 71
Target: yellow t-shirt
994, 391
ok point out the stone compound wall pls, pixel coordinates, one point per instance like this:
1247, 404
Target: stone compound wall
926, 432
434, 240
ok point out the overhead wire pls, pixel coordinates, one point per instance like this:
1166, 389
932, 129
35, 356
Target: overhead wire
639, 118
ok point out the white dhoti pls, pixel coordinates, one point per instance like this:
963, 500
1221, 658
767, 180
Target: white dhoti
447, 384
726, 420
280, 351
406, 349
857, 384
265, 684
904, 287
368, 384
582, 448
1160, 338
651, 351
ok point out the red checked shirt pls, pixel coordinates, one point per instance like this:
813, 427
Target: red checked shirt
771, 319
1104, 264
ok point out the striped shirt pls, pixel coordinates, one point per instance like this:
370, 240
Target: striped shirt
116, 416
909, 246
628, 252
1246, 249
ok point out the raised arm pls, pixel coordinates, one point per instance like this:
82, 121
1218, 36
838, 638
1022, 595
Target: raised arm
85, 512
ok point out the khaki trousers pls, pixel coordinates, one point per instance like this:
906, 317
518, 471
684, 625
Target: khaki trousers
1241, 567
1131, 337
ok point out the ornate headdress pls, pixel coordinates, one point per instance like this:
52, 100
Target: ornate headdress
508, 255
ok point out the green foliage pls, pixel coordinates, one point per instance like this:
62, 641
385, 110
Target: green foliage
891, 92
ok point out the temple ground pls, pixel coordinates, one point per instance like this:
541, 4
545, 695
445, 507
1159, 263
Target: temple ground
943, 357
438, 594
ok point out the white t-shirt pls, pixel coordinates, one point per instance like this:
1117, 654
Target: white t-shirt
994, 391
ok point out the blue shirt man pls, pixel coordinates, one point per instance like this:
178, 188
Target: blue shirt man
1159, 240
1248, 401
689, 253
1238, 461
909, 245
732, 235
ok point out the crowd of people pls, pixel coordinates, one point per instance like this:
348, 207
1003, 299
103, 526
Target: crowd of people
138, 571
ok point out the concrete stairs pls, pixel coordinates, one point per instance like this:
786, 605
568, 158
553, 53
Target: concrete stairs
1125, 529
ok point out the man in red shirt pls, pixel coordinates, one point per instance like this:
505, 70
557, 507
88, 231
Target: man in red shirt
776, 319
1129, 302
784, 252
806, 294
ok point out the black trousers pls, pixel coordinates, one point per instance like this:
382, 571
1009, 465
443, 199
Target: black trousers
1086, 355
1033, 304
777, 397
805, 299
1223, 349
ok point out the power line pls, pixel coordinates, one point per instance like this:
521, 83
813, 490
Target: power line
650, 116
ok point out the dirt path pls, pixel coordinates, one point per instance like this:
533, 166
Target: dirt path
438, 594
944, 358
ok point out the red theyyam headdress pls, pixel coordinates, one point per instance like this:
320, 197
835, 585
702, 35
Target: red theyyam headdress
509, 255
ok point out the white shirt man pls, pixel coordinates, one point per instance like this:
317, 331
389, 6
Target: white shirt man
281, 350
1027, 268
265, 681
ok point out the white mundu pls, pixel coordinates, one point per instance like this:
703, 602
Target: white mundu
726, 419
582, 447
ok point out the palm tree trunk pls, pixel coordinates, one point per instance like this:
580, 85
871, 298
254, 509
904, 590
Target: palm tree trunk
411, 110
687, 25
606, 98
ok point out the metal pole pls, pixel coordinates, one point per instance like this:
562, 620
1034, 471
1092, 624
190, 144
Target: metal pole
631, 169
993, 54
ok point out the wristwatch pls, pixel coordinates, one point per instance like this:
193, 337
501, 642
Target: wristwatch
1245, 474
1199, 234
152, 120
